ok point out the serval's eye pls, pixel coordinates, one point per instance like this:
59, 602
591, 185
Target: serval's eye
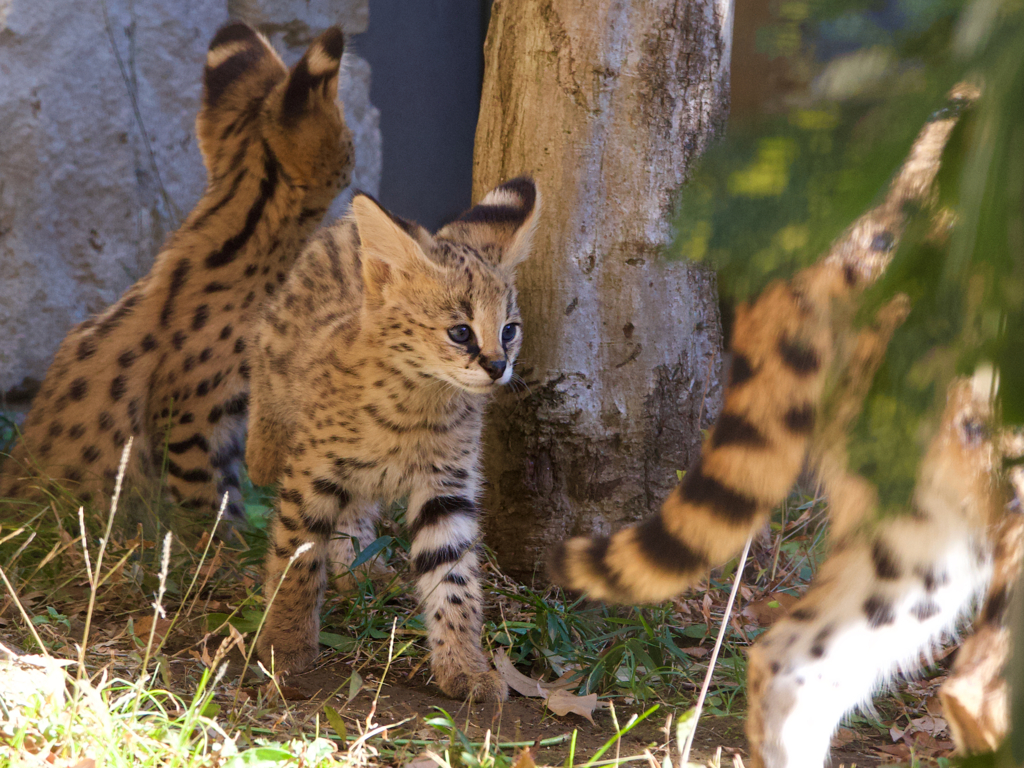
509, 332
460, 334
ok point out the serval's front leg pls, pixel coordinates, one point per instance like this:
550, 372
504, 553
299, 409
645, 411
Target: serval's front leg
446, 562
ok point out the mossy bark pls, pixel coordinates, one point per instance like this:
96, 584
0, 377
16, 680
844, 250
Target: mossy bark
606, 103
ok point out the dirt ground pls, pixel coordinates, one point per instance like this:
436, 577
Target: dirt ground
521, 719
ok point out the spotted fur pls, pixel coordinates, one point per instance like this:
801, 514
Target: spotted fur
167, 363
372, 371
892, 585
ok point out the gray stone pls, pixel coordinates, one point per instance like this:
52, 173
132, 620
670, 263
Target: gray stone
98, 160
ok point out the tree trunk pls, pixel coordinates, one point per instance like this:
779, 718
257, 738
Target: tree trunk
606, 103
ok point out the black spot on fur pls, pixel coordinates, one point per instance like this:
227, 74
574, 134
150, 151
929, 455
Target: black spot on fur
118, 387
178, 340
849, 275
799, 358
149, 343
90, 453
925, 609
740, 371
879, 611
456, 578
126, 358
803, 614
178, 277
930, 579
239, 345
86, 348
79, 389
215, 413
734, 429
200, 316
800, 419
886, 566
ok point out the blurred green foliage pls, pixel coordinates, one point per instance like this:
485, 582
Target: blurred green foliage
771, 197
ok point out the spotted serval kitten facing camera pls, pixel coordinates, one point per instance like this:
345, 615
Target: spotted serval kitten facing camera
371, 372
167, 363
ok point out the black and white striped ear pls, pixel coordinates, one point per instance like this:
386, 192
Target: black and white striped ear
316, 74
502, 223
236, 51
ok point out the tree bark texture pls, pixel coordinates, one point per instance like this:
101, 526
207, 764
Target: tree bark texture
606, 103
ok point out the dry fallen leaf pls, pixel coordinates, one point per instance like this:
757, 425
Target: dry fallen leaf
524, 760
842, 737
520, 683
930, 725
558, 700
291, 693
562, 703
144, 624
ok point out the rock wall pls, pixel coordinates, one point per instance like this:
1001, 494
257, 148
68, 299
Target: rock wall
98, 160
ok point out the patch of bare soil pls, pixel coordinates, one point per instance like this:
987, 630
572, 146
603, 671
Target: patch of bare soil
412, 700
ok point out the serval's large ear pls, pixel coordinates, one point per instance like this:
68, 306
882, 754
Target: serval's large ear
387, 243
241, 68
315, 76
240, 61
501, 225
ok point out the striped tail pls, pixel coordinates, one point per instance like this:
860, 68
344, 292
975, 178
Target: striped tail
782, 349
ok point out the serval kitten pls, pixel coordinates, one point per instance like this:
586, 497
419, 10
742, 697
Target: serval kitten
167, 363
371, 374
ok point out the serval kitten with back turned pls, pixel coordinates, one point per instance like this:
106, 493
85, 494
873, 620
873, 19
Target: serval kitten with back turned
168, 362
371, 373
